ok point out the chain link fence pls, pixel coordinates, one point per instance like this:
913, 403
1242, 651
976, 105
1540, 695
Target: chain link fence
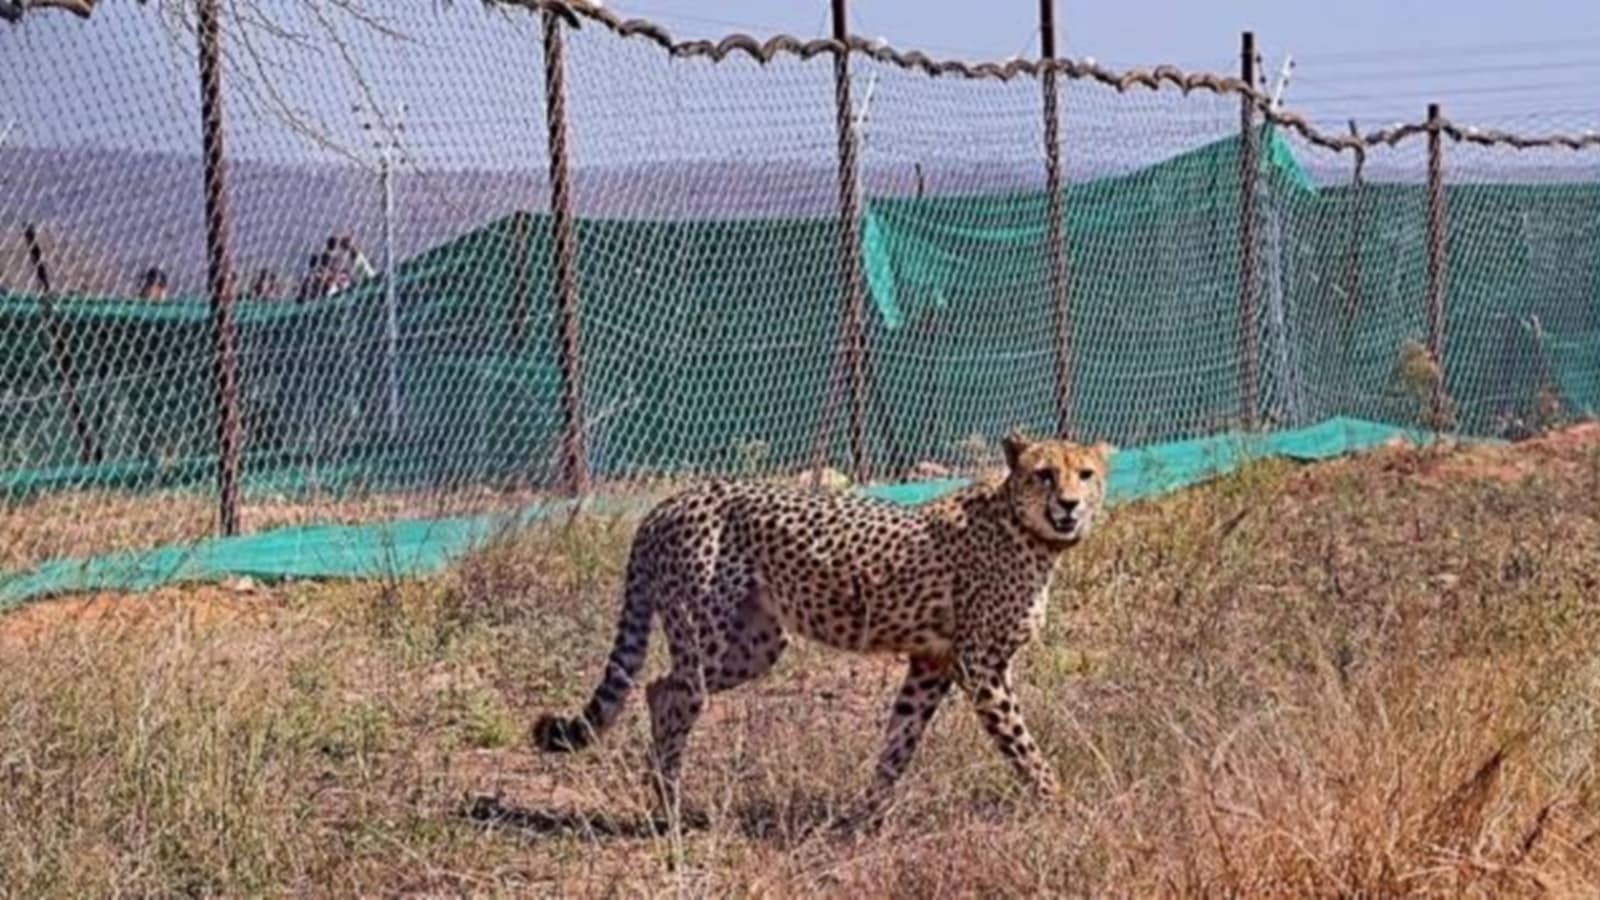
455, 290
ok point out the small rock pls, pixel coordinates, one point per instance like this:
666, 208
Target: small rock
834, 480
242, 585
927, 471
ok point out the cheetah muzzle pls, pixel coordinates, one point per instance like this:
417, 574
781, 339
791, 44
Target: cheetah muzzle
957, 586
1065, 520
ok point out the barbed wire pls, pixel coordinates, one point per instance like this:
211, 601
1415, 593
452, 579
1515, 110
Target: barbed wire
576, 12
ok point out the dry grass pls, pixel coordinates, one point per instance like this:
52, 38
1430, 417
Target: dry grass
84, 523
78, 524
1370, 678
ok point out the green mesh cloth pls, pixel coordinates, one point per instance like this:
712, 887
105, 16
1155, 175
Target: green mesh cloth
712, 345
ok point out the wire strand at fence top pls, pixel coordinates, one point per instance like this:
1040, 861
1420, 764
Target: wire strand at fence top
576, 12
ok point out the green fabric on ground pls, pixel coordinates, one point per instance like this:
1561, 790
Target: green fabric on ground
419, 546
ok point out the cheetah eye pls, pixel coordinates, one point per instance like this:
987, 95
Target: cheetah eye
1086, 474
1045, 475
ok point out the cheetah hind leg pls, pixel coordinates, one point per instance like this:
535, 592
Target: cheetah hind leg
751, 643
675, 702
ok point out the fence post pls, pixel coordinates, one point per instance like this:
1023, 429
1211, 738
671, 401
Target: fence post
219, 267
1352, 271
60, 351
1436, 258
575, 460
1247, 229
854, 332
1352, 275
391, 303
1060, 297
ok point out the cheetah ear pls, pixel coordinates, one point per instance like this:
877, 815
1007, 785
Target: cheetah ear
1015, 445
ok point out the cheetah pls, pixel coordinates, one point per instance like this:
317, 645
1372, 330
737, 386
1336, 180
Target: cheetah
957, 586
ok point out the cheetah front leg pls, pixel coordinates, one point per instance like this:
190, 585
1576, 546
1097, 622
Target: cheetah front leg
988, 684
927, 681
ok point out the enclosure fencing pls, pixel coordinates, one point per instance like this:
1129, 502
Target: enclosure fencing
356, 262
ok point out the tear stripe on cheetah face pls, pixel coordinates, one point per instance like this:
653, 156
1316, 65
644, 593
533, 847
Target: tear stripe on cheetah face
1055, 487
957, 586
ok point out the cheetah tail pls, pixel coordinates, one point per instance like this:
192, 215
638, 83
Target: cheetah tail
560, 734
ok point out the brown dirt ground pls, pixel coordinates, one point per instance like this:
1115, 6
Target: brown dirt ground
197, 604
1566, 451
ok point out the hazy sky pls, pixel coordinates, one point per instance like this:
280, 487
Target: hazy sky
471, 84
1488, 60
471, 80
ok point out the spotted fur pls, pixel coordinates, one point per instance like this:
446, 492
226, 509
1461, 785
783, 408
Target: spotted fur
957, 586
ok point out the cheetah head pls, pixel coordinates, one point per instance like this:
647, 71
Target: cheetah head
1055, 487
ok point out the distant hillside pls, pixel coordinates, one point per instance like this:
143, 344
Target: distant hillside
121, 212
105, 215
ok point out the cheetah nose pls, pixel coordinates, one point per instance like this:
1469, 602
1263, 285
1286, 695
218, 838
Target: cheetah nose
1069, 506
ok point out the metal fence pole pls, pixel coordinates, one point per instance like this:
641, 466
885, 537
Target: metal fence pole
1352, 275
1352, 271
220, 268
1247, 230
60, 350
1436, 258
854, 332
574, 458
391, 305
1060, 296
